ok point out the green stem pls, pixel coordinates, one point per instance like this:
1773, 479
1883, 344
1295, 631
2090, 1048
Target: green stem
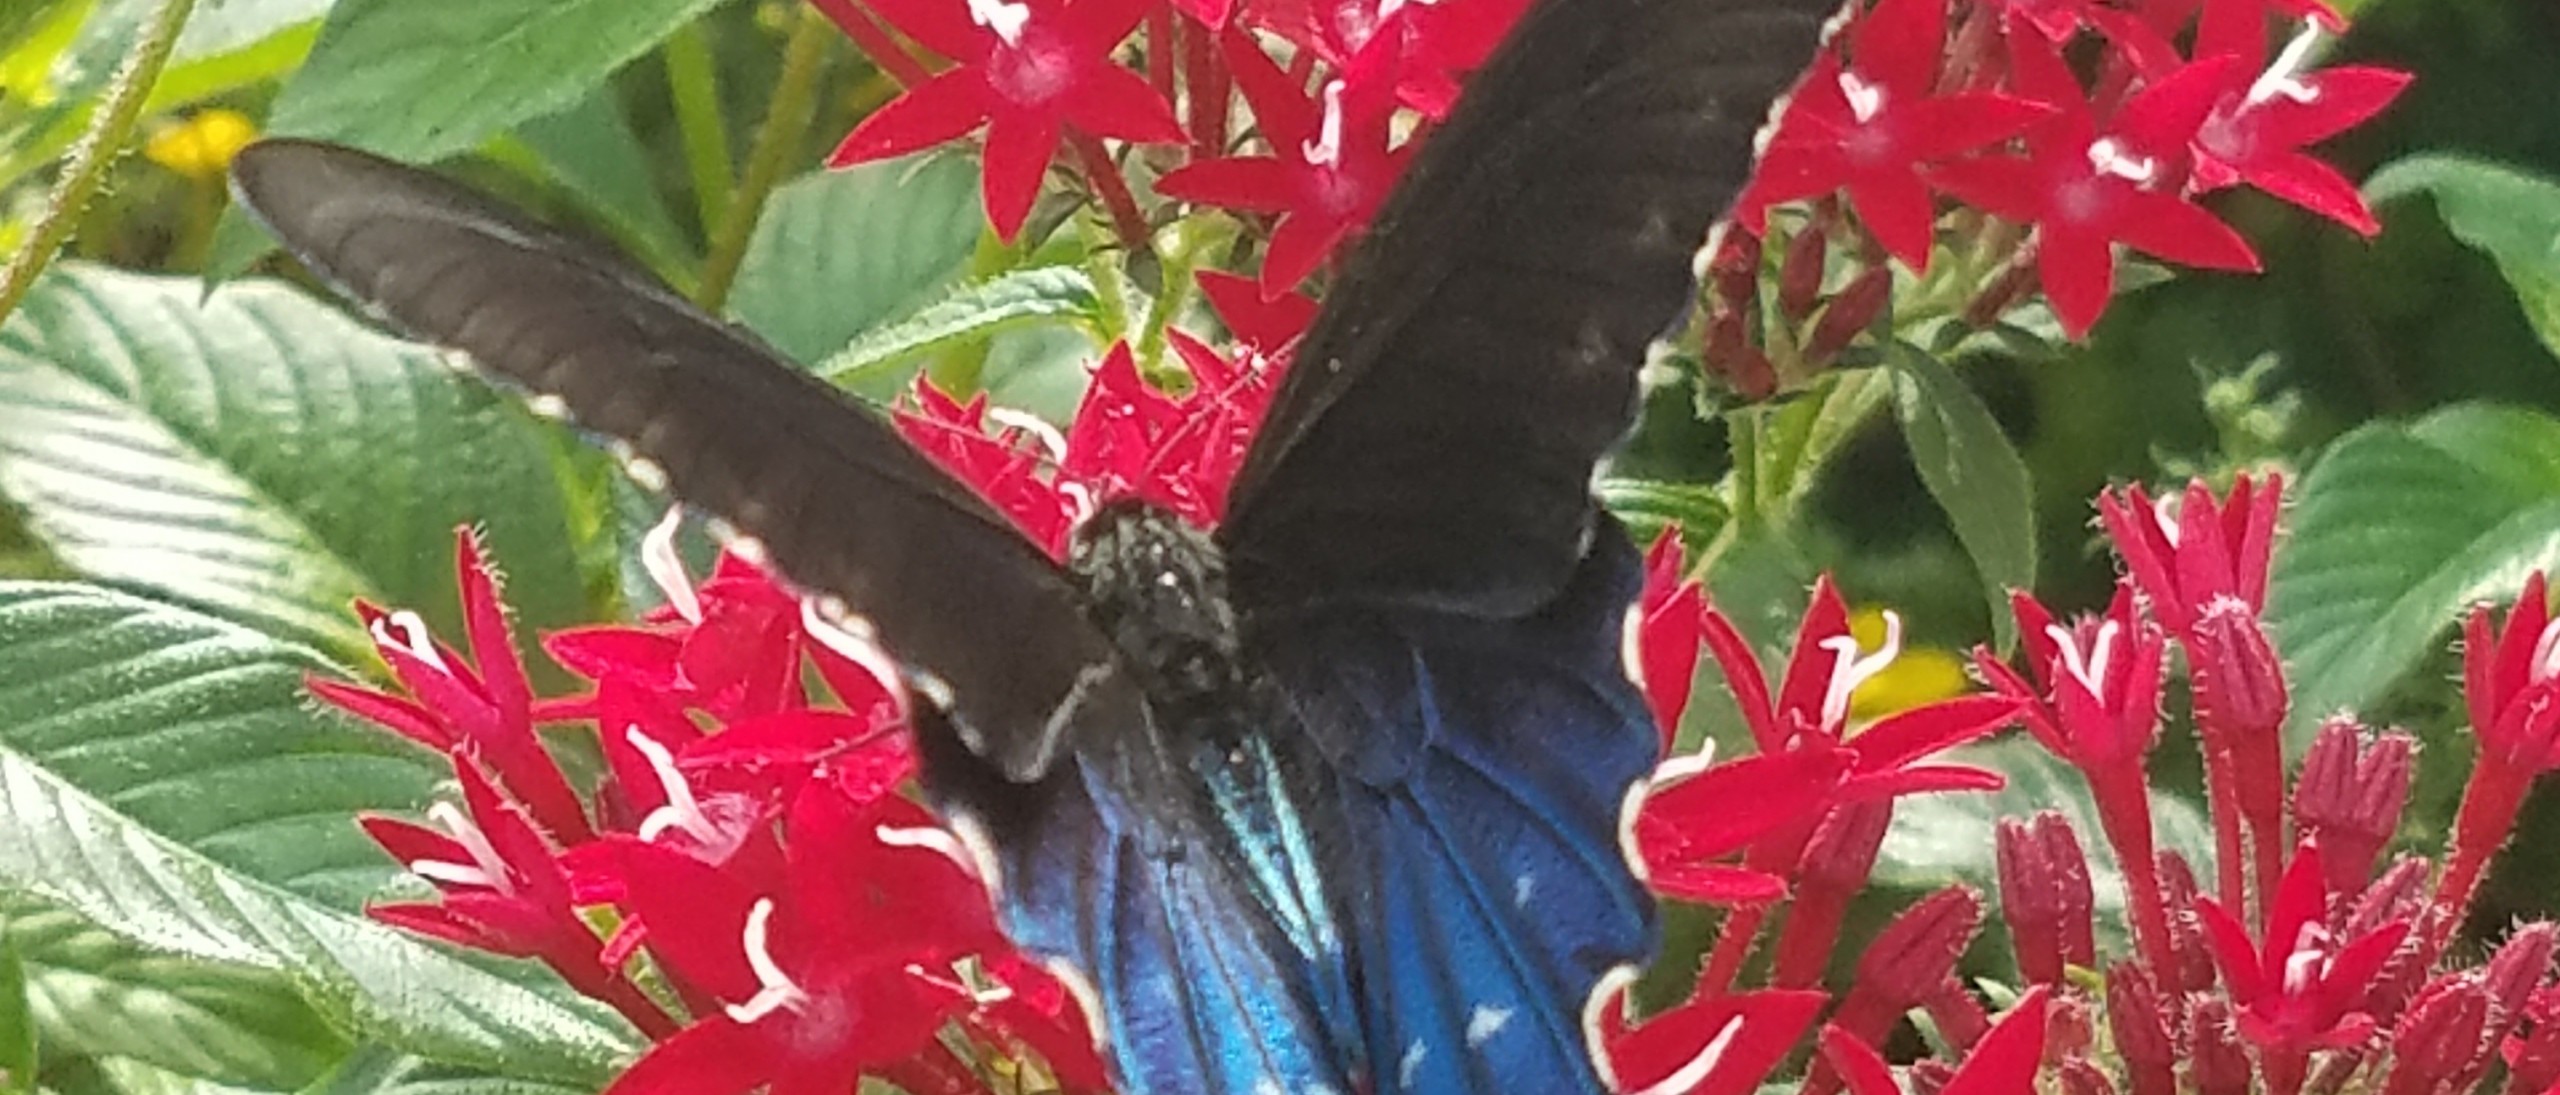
1743, 437
87, 170
778, 138
694, 83
1177, 261
1110, 282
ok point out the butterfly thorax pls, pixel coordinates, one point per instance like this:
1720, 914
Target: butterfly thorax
1157, 587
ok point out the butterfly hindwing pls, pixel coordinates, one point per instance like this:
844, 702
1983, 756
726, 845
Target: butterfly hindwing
841, 503
1479, 775
1434, 442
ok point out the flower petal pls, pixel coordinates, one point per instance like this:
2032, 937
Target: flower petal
939, 110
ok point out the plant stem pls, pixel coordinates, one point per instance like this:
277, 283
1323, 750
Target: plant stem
874, 41
1104, 175
778, 138
96, 152
694, 82
2123, 795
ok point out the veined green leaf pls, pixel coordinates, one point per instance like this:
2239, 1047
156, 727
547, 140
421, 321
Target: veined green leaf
1970, 467
870, 365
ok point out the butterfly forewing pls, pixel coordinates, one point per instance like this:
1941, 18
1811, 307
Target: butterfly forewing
843, 506
1434, 442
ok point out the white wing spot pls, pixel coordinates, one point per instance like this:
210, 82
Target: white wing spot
1485, 1022
647, 473
549, 406
1522, 889
1412, 1063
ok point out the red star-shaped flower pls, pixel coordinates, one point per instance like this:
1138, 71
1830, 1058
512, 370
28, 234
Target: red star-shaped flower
2260, 125
1329, 168
2304, 989
2087, 189
1027, 69
1872, 125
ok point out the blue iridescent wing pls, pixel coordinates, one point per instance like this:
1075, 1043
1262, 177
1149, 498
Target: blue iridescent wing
1479, 774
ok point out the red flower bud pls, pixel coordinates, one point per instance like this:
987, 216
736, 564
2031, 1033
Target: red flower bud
2350, 795
2239, 682
2441, 1037
1930, 1076
1852, 309
2192, 957
2533, 1058
2079, 1077
2045, 896
1834, 867
1800, 273
1917, 951
1732, 358
1960, 1018
2218, 1065
2144, 1028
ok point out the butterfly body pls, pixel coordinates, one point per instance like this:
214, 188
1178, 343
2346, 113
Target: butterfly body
1327, 799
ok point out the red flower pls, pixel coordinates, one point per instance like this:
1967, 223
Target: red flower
2259, 126
1671, 624
2004, 1062
1329, 168
1871, 126
2304, 989
2511, 683
1695, 814
833, 977
486, 715
1722, 1045
1028, 69
1429, 44
2087, 189
501, 888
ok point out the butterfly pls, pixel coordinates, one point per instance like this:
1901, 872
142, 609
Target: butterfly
1327, 799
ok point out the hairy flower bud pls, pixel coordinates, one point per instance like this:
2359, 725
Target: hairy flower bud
2441, 1037
2350, 795
2045, 896
2217, 1064
2143, 1026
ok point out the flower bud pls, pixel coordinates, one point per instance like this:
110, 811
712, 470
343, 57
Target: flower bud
1800, 273
1917, 951
2045, 896
2350, 795
1930, 1076
2440, 1037
1852, 310
2239, 682
2143, 1027
2079, 1077
2217, 1063
2194, 972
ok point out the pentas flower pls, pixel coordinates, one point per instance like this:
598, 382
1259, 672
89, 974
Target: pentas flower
2095, 702
2262, 121
2511, 683
2004, 1062
2088, 183
1722, 1045
1432, 44
1028, 70
2303, 988
1672, 623
480, 709
1871, 125
1331, 162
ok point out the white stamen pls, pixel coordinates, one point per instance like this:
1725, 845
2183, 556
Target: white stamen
1682, 767
2164, 513
1865, 99
2546, 654
1029, 423
856, 646
2109, 156
2309, 958
659, 557
1003, 18
1326, 149
1848, 670
1690, 1075
930, 839
777, 991
412, 638
484, 856
2089, 669
2285, 76
682, 811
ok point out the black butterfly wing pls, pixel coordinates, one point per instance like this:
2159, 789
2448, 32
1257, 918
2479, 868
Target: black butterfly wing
1416, 548
1435, 439
843, 506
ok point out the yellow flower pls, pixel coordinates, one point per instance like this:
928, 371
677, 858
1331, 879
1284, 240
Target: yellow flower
1922, 674
201, 146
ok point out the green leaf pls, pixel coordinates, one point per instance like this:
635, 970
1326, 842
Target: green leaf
97, 995
1648, 506
80, 853
1935, 837
17, 1024
262, 456
2512, 216
591, 152
374, 1070
422, 82
839, 251
1043, 294
1973, 471
2395, 531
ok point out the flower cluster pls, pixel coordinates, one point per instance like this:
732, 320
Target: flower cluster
2311, 966
1929, 124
